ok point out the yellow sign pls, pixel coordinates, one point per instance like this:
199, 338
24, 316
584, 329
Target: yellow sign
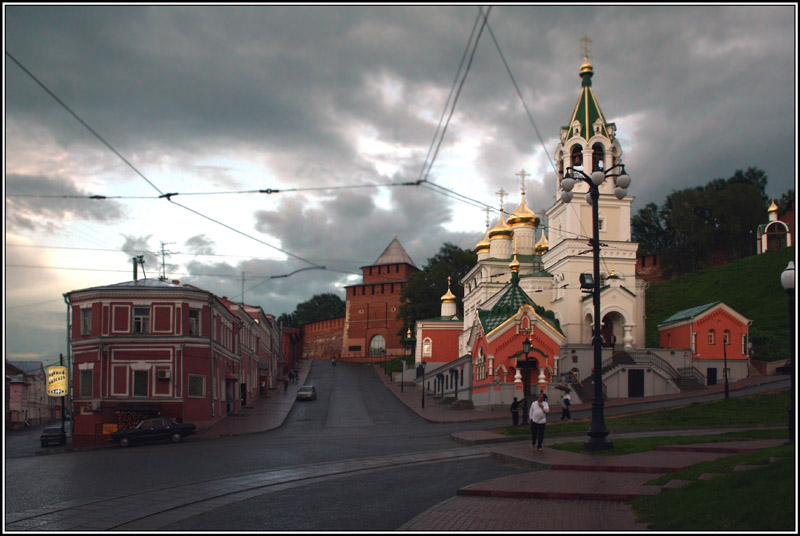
109, 429
57, 381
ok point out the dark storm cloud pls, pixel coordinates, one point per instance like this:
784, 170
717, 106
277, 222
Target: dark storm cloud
61, 204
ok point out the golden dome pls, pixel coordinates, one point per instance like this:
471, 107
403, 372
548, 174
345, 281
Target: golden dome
449, 297
523, 215
514, 264
773, 207
484, 244
586, 67
542, 245
500, 229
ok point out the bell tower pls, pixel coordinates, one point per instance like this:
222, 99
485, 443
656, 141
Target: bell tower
588, 143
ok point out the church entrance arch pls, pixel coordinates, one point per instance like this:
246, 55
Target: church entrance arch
612, 324
377, 346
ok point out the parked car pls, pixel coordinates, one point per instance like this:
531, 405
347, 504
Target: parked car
155, 429
53, 435
307, 392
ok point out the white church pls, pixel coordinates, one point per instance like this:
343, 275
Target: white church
518, 254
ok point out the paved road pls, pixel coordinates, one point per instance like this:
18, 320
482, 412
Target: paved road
355, 459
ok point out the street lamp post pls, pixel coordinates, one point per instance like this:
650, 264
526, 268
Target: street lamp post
787, 281
597, 430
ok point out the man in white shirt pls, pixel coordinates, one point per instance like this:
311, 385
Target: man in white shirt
538, 416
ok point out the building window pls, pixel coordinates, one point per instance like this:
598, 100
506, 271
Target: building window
480, 366
86, 383
194, 322
141, 320
427, 347
710, 336
726, 337
694, 341
140, 378
377, 346
197, 386
86, 321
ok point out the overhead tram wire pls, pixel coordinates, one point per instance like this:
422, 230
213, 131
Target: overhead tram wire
167, 196
458, 92
423, 174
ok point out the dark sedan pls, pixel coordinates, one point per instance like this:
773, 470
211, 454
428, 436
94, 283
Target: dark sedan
156, 429
53, 435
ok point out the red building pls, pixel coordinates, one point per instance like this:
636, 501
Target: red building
371, 328
148, 347
716, 334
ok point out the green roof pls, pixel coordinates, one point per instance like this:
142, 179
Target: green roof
687, 314
508, 305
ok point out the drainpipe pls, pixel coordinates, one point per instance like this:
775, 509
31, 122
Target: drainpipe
211, 354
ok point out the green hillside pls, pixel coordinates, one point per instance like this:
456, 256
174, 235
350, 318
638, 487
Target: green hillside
752, 286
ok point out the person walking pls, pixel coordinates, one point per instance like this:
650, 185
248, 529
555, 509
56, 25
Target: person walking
285, 385
538, 416
515, 412
613, 342
566, 401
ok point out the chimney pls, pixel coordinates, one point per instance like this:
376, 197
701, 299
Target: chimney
135, 269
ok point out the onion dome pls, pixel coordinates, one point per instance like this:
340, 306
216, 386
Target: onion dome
773, 207
501, 229
586, 67
523, 215
449, 297
514, 263
542, 245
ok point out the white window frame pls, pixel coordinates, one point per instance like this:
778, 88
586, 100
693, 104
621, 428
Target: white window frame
194, 323
711, 336
141, 322
86, 321
427, 347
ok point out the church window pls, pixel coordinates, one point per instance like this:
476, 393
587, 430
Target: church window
377, 346
710, 336
576, 156
597, 157
427, 347
480, 366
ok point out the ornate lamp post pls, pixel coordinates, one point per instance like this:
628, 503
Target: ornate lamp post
597, 430
787, 281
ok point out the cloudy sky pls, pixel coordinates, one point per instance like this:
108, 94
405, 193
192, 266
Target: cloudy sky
332, 105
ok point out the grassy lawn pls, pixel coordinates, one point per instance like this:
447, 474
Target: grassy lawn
624, 445
760, 499
767, 408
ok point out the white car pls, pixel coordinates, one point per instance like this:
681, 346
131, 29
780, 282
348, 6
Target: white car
307, 392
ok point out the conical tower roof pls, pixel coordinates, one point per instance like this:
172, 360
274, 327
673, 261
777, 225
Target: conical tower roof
587, 110
394, 254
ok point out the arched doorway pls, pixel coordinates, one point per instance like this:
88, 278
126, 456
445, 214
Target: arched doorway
612, 325
377, 346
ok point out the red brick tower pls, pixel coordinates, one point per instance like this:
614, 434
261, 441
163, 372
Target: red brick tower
371, 328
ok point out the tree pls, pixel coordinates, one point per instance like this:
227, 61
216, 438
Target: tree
319, 307
696, 226
647, 230
288, 320
421, 297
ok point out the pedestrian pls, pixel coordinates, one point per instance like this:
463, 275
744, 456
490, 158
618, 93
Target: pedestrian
565, 404
515, 412
538, 416
285, 385
613, 341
